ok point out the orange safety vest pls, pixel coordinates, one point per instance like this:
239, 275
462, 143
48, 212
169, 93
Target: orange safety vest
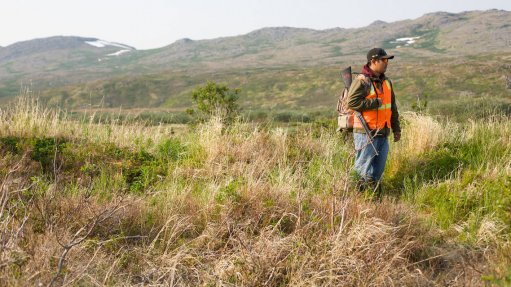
377, 118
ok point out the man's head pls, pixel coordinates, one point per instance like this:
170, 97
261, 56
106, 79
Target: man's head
377, 60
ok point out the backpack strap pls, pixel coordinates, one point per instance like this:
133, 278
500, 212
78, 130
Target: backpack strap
365, 79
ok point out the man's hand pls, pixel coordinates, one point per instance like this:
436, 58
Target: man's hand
397, 136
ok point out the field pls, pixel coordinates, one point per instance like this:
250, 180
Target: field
456, 88
89, 202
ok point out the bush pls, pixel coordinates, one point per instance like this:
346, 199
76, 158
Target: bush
216, 99
46, 151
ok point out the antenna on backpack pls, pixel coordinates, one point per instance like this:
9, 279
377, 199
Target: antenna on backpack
347, 77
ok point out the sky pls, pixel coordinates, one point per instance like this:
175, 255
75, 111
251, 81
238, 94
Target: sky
151, 24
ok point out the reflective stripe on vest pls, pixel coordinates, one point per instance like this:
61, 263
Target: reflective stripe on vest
377, 118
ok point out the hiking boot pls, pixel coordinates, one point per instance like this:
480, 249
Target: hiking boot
361, 185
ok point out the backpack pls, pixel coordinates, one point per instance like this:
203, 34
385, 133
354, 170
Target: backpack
345, 115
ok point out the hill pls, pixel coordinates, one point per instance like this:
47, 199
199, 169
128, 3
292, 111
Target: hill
436, 34
55, 61
266, 63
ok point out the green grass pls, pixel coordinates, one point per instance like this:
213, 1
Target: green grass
464, 180
453, 90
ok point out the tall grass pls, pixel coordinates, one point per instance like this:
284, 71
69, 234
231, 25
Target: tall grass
247, 205
28, 118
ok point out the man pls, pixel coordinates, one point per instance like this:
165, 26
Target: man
372, 95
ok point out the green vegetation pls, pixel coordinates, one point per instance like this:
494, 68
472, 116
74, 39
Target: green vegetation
216, 99
461, 179
459, 89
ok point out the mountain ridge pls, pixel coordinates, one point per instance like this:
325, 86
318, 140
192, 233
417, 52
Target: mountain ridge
434, 35
277, 28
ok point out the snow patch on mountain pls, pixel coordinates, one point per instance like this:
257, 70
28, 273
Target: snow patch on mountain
119, 52
406, 40
101, 44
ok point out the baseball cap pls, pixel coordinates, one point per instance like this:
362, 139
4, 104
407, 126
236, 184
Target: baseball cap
378, 53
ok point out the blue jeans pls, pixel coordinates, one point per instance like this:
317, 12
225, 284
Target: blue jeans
368, 165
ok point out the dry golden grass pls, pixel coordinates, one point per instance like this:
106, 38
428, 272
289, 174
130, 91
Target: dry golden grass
254, 207
421, 134
28, 118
